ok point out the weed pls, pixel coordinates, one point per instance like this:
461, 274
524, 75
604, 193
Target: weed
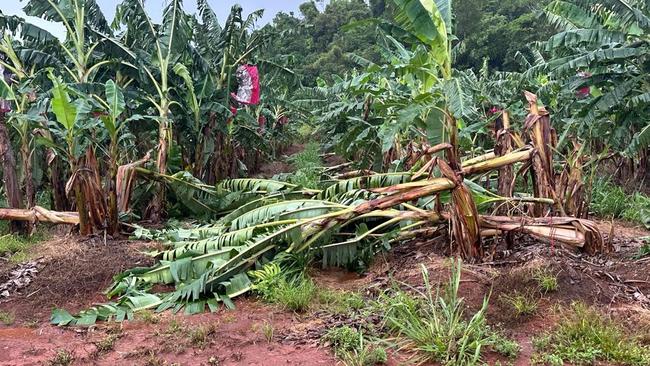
363, 356
7, 318
214, 361
230, 318
153, 360
293, 294
349, 346
644, 251
504, 346
32, 323
434, 325
609, 200
296, 295
61, 358
148, 317
268, 330
107, 344
522, 304
17, 247
343, 338
546, 280
583, 336
199, 335
174, 327
307, 164
340, 301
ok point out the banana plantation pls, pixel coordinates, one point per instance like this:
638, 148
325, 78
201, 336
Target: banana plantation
349, 182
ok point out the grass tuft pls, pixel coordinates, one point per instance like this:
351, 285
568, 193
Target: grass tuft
584, 337
609, 200
522, 304
107, 344
7, 318
268, 330
199, 336
61, 358
339, 302
351, 348
435, 326
308, 166
546, 280
17, 247
293, 294
504, 346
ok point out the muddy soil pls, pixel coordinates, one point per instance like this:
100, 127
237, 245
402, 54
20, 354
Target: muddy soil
75, 272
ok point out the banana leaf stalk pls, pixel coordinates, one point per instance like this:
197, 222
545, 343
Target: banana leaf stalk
504, 145
572, 231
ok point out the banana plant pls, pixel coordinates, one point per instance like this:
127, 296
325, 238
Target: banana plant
600, 57
71, 126
22, 94
86, 33
113, 107
159, 47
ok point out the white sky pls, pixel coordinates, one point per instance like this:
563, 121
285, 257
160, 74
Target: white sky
154, 7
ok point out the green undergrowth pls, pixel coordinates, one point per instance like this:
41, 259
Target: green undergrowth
430, 325
308, 166
353, 349
585, 337
17, 247
294, 293
644, 251
609, 200
434, 326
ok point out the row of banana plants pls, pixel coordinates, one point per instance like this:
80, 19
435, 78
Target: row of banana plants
75, 109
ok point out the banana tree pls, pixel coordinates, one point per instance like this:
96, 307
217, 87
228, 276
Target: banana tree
158, 48
112, 108
600, 58
71, 127
8, 160
86, 32
22, 95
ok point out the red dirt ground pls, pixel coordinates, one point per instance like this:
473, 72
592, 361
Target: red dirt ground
233, 337
72, 278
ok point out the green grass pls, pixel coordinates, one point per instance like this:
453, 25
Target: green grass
107, 344
644, 251
340, 301
584, 337
522, 304
352, 349
546, 280
308, 166
434, 325
61, 358
504, 346
273, 285
609, 200
198, 336
268, 330
17, 247
7, 318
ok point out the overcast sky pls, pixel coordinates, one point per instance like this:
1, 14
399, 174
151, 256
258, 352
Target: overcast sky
154, 8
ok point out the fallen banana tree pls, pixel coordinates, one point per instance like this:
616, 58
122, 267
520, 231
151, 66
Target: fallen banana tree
39, 214
208, 264
258, 219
